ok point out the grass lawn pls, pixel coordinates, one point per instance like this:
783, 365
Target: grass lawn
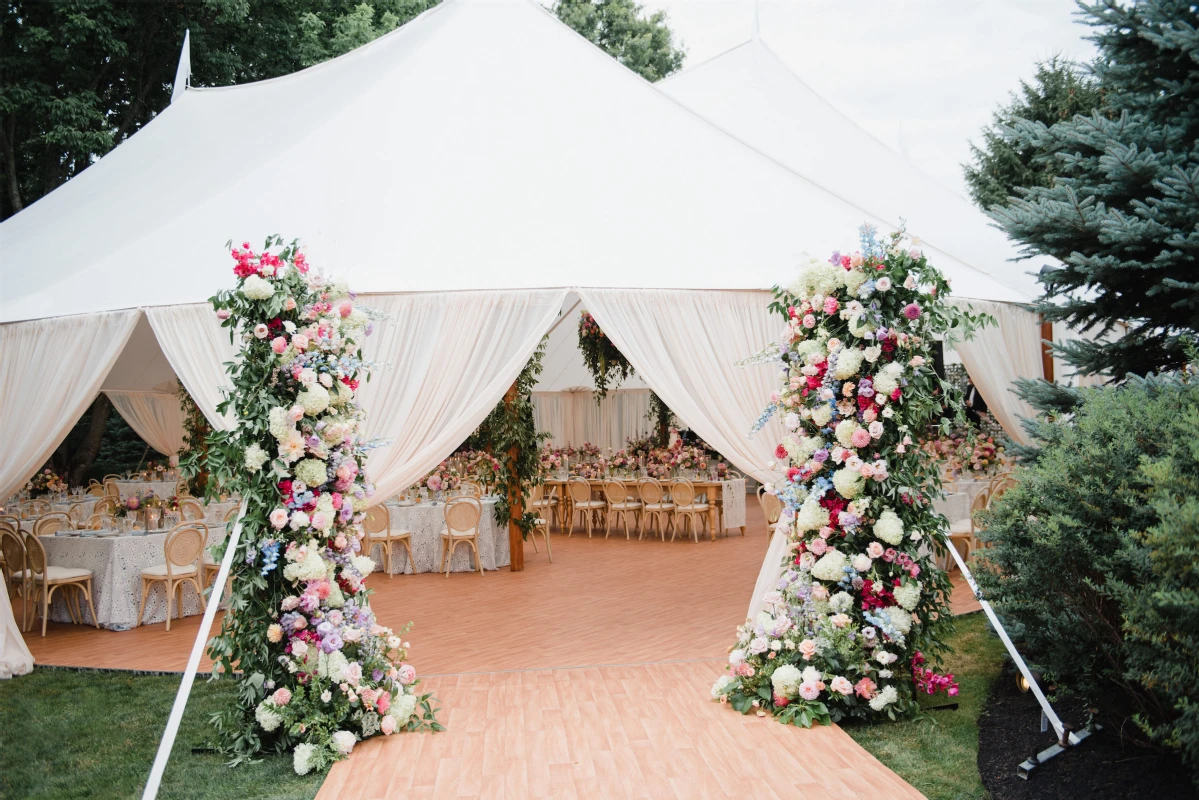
66, 733
939, 755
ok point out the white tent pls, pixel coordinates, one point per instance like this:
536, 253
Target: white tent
749, 92
467, 169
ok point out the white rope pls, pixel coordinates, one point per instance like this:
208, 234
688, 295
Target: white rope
193, 663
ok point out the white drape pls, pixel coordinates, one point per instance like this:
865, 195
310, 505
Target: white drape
445, 360
197, 347
685, 345
998, 355
15, 658
50, 370
157, 417
575, 417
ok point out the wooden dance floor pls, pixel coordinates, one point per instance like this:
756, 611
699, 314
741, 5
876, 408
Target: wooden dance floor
588, 677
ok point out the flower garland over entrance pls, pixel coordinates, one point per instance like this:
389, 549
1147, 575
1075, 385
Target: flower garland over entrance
860, 609
315, 671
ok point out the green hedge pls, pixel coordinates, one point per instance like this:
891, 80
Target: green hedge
1094, 556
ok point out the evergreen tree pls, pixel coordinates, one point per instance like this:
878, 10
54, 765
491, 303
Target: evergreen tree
1122, 213
1004, 163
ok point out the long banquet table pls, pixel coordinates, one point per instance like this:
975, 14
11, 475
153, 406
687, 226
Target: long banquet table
726, 507
165, 489
426, 520
116, 562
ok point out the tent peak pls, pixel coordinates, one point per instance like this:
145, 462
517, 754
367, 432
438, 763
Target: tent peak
183, 74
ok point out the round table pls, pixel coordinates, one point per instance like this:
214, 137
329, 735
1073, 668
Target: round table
163, 489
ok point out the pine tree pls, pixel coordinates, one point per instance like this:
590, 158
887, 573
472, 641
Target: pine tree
1122, 213
1003, 163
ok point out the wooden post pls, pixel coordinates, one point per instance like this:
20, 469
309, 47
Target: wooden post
516, 507
1046, 350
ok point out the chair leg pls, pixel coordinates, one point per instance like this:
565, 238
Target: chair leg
90, 607
478, 561
533, 539
45, 606
195, 582
548, 550
141, 611
170, 599
408, 550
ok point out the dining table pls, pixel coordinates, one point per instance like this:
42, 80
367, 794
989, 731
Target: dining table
426, 520
726, 509
160, 488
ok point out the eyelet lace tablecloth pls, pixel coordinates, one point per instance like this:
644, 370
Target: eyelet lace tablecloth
88, 502
732, 499
160, 488
954, 505
116, 564
426, 521
971, 488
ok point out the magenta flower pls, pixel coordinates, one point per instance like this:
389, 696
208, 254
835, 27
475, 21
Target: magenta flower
911, 311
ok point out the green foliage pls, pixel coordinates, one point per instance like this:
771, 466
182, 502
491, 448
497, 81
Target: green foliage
121, 450
1121, 213
1005, 163
605, 362
510, 434
663, 419
1093, 554
644, 44
195, 437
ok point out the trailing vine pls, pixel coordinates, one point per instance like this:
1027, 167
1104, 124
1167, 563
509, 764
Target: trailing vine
195, 437
607, 365
662, 418
510, 433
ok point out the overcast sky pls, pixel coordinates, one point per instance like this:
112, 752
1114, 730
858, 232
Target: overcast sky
921, 75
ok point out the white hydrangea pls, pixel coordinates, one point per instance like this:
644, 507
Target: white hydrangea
817, 277
859, 326
853, 280
786, 680
268, 716
313, 400
907, 595
845, 430
722, 685
330, 666
889, 527
312, 471
310, 568
811, 516
830, 566
849, 361
402, 708
821, 414
343, 742
840, 602
887, 379
256, 288
810, 350
280, 423
356, 320
884, 698
364, 564
335, 599
255, 458
901, 619
304, 758
848, 483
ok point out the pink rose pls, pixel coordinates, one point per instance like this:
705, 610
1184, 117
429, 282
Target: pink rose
300, 342
861, 438
807, 649
874, 550
289, 304
383, 702
917, 361
261, 331
842, 686
911, 311
279, 518
818, 546
809, 321
295, 413
830, 305
282, 696
345, 309
865, 688
222, 314
407, 674
278, 344
388, 725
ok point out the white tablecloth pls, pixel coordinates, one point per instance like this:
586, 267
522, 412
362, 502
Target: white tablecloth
116, 564
88, 502
955, 506
15, 658
426, 521
163, 489
732, 498
971, 487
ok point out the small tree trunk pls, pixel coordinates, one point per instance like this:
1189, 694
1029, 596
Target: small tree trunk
89, 448
516, 507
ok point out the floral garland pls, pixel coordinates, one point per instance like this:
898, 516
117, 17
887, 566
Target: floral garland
316, 672
860, 605
607, 365
195, 436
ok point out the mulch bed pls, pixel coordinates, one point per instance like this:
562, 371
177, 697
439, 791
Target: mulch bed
1104, 766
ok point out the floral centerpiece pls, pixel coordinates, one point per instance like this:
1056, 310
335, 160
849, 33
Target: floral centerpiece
855, 624
965, 453
442, 478
316, 671
607, 365
45, 482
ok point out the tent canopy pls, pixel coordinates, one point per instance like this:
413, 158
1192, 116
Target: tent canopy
749, 92
482, 145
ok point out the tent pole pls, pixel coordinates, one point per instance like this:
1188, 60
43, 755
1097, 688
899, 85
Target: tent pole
516, 508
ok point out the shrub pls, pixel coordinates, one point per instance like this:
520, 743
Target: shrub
1093, 556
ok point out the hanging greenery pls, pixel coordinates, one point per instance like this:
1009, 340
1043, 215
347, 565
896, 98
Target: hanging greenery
662, 418
607, 365
195, 437
510, 434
